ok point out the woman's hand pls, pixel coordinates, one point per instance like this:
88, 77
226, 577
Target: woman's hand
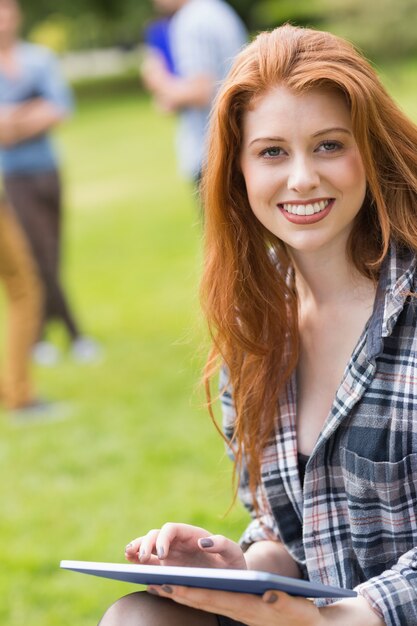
274, 608
158, 80
185, 545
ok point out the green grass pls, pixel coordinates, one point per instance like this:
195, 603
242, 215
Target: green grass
138, 448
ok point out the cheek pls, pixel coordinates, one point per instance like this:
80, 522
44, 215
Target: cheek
260, 183
354, 178
256, 190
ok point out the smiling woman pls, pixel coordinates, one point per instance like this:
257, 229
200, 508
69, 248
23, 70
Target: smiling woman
310, 196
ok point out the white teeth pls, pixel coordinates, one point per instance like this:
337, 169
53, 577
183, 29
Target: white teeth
306, 209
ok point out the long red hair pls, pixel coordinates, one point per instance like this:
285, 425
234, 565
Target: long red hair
250, 304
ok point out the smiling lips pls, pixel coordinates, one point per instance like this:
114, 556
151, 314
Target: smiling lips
307, 213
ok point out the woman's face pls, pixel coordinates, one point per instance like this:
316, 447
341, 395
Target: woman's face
304, 175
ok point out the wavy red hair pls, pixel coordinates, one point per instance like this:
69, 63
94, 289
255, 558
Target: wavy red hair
250, 305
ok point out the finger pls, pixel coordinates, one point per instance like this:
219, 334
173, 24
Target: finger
274, 607
270, 597
292, 608
147, 546
183, 533
239, 606
152, 560
219, 544
132, 553
132, 549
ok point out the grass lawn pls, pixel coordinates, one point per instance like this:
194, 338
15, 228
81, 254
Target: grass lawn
137, 448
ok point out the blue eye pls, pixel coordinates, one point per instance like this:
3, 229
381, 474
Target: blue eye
272, 152
329, 146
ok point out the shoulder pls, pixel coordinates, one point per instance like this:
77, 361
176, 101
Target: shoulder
206, 12
35, 54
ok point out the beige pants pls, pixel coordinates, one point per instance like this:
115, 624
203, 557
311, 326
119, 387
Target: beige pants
24, 299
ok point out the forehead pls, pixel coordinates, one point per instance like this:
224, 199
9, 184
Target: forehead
280, 109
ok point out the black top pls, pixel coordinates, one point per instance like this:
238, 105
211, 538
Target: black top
302, 462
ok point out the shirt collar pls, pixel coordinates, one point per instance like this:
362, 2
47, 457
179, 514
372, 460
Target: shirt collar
394, 285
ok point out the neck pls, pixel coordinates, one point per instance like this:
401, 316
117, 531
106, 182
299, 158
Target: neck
326, 277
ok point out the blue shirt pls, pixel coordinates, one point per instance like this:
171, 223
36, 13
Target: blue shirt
157, 36
38, 77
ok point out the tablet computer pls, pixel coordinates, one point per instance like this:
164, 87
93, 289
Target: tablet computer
243, 581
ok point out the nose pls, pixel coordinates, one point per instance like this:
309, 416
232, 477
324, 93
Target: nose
303, 175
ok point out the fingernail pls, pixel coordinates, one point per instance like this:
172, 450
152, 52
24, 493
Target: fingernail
206, 542
166, 588
129, 545
270, 598
142, 553
152, 590
160, 553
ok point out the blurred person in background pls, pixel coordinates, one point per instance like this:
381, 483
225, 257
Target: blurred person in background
24, 300
34, 99
204, 36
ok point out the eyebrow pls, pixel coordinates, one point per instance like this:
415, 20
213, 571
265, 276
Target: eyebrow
325, 131
333, 129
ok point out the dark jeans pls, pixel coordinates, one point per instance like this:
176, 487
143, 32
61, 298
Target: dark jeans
227, 621
36, 201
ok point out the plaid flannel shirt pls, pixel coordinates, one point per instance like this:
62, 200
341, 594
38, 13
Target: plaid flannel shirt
354, 523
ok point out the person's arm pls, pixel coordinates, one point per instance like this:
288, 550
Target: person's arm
173, 92
271, 556
393, 594
262, 553
30, 119
274, 608
25, 120
351, 612
184, 545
